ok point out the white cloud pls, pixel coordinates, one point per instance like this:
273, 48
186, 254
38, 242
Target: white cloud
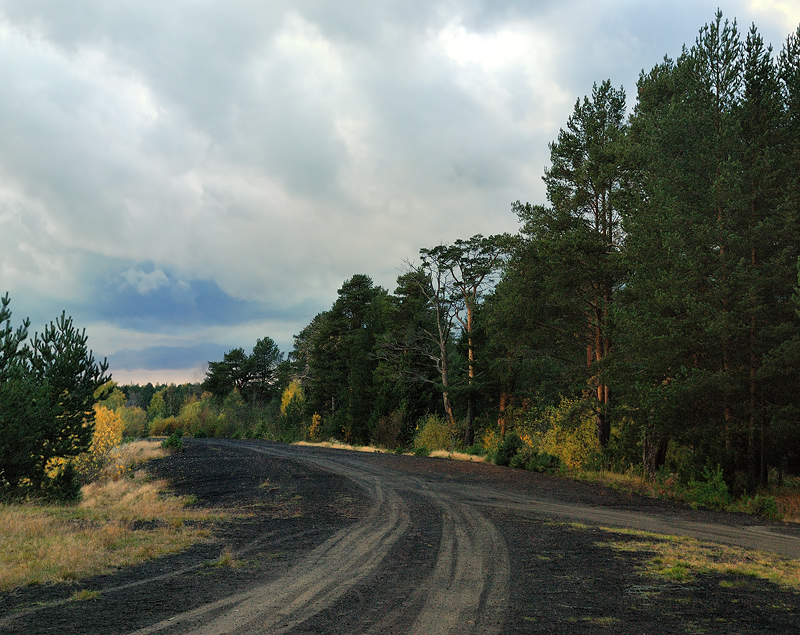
278, 148
145, 282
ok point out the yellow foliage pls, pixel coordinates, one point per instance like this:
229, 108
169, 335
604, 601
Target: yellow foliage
316, 424
490, 441
569, 434
108, 429
433, 433
293, 392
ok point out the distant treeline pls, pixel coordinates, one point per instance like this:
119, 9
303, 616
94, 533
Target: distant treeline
645, 318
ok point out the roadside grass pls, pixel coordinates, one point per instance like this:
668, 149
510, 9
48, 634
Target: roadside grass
123, 519
338, 445
786, 497
681, 559
459, 456
441, 454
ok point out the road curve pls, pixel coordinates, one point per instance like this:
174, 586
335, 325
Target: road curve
330, 541
467, 590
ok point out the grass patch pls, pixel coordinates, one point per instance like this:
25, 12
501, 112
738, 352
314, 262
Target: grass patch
457, 456
119, 522
681, 559
227, 560
85, 594
337, 445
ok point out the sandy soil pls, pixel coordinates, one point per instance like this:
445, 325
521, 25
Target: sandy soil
331, 541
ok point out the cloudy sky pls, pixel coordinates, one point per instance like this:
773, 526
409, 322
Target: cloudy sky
186, 177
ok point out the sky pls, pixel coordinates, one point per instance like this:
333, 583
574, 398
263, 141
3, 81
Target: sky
187, 177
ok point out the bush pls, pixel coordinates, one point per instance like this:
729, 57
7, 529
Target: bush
759, 505
108, 432
173, 443
569, 433
543, 462
711, 492
510, 445
135, 422
433, 433
476, 449
388, 432
63, 486
164, 426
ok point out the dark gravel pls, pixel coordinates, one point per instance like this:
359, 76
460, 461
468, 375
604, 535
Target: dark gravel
561, 580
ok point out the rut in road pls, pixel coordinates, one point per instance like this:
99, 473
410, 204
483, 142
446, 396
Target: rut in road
466, 592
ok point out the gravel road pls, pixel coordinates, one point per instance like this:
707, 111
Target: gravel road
332, 541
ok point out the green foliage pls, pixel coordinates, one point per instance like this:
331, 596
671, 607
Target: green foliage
568, 431
509, 447
433, 433
62, 485
48, 388
711, 492
543, 462
757, 505
173, 443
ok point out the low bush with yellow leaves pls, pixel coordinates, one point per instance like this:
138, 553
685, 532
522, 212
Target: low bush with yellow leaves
434, 433
108, 430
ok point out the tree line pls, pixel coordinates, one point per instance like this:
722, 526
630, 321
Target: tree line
656, 289
645, 317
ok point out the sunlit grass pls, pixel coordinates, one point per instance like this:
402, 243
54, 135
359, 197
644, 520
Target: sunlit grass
119, 522
337, 445
681, 559
457, 456
441, 454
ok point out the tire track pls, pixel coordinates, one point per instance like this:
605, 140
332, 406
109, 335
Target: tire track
467, 591
311, 585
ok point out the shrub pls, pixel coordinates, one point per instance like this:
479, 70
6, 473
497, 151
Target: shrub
433, 433
164, 426
476, 449
315, 427
759, 505
569, 433
63, 485
543, 462
490, 441
199, 417
173, 443
134, 420
509, 447
711, 492
388, 432
107, 434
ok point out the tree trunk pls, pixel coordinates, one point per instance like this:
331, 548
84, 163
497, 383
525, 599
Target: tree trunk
505, 401
654, 452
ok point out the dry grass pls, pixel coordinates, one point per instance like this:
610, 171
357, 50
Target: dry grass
681, 559
340, 446
442, 454
458, 456
48, 543
788, 499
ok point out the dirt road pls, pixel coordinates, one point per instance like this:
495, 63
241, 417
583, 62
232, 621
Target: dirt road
343, 542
